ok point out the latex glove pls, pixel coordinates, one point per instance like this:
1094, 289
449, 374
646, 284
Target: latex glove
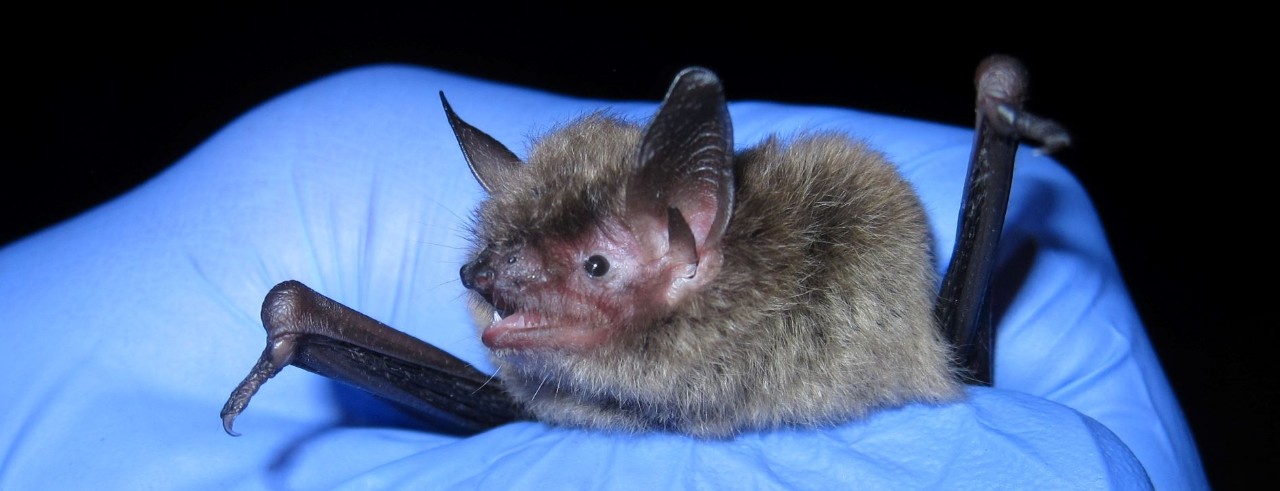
127, 327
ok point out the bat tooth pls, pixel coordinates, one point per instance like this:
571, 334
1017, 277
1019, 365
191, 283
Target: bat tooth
496, 317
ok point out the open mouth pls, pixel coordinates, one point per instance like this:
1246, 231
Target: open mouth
500, 308
518, 328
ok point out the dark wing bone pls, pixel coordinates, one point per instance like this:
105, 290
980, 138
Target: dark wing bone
310, 331
962, 309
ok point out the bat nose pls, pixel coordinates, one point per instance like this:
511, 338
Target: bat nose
477, 276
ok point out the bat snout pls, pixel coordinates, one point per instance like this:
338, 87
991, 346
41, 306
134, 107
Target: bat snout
477, 276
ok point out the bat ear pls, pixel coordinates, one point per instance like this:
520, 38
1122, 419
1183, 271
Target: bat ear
491, 163
684, 180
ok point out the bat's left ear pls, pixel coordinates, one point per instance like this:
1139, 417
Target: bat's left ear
684, 179
491, 162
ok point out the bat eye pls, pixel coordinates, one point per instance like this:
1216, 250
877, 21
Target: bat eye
596, 266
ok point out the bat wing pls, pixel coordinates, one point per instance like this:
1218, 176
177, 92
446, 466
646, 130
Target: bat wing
315, 333
962, 310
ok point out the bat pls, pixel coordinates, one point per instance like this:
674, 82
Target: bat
647, 277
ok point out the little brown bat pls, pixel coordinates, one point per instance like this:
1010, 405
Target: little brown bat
649, 277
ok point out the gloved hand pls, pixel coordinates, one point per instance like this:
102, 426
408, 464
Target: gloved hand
126, 327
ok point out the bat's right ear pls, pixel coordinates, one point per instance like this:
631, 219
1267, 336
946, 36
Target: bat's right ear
491, 163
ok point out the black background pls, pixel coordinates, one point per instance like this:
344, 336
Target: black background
99, 104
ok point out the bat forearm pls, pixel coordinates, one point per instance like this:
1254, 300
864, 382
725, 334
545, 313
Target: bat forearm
317, 334
1001, 123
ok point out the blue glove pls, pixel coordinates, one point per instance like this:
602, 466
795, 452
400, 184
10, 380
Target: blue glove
127, 327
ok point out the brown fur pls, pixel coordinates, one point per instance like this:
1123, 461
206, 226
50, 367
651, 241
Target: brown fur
820, 314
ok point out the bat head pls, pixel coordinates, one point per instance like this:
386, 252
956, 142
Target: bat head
607, 228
